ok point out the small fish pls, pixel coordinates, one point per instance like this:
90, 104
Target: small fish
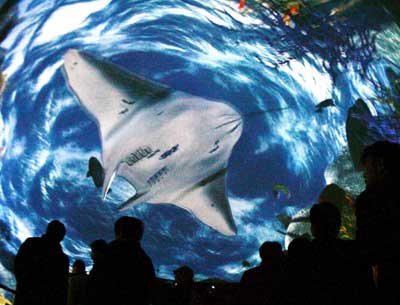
2, 82
343, 8
292, 11
280, 188
295, 9
325, 103
286, 19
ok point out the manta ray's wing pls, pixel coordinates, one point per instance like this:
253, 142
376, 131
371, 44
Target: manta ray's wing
107, 91
112, 96
207, 200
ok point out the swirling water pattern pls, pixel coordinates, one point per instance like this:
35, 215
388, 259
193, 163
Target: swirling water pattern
208, 49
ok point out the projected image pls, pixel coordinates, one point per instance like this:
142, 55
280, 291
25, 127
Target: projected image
191, 173
218, 123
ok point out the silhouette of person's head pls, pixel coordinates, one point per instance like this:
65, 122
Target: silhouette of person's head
325, 220
270, 252
78, 267
380, 161
184, 275
128, 228
55, 231
98, 250
299, 248
334, 194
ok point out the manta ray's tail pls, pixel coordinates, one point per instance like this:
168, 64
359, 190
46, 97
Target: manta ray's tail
261, 112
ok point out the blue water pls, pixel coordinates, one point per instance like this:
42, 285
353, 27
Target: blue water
249, 59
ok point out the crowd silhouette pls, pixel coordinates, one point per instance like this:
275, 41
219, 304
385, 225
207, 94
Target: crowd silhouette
325, 270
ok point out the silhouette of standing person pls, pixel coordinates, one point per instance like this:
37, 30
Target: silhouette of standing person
77, 284
184, 290
262, 284
377, 217
299, 265
41, 269
130, 270
97, 280
335, 274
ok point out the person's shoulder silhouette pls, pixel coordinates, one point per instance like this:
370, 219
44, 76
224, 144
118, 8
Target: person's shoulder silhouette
98, 253
129, 266
98, 279
184, 290
378, 206
378, 213
264, 282
77, 285
271, 261
325, 221
299, 264
299, 249
41, 268
335, 277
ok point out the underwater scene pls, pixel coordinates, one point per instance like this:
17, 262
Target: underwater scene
218, 123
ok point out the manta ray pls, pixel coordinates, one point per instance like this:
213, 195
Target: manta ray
172, 147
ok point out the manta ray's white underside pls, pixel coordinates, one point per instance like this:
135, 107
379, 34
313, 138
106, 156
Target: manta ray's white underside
171, 146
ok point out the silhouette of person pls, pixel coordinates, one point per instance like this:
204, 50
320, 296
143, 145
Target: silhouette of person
299, 266
335, 277
77, 284
377, 217
262, 284
130, 269
41, 269
97, 280
184, 290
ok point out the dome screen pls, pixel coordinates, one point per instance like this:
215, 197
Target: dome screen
218, 123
